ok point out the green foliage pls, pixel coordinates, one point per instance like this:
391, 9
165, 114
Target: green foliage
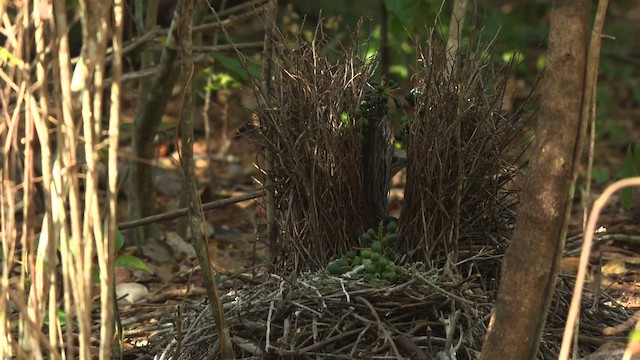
634, 336
62, 318
377, 261
234, 68
130, 262
7, 58
630, 168
610, 129
513, 55
222, 81
600, 175
119, 240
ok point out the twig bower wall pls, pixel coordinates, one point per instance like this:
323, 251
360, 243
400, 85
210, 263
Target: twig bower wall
329, 129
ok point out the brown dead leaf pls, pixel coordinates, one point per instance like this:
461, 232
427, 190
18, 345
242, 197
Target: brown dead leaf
614, 267
122, 275
157, 251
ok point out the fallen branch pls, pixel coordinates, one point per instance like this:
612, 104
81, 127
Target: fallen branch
171, 215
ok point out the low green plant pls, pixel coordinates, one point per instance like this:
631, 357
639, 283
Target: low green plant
130, 262
376, 262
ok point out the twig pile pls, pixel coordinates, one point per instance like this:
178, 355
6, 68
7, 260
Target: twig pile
428, 314
457, 140
311, 128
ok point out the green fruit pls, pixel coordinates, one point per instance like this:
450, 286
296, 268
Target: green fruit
410, 97
371, 233
376, 246
344, 118
383, 263
394, 256
342, 262
337, 269
356, 261
371, 268
375, 257
366, 254
365, 122
392, 227
366, 238
391, 239
389, 275
351, 254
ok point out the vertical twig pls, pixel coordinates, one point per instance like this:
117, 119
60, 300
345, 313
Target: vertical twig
106, 261
67, 190
456, 25
45, 263
267, 88
576, 298
35, 302
588, 98
196, 216
8, 209
94, 43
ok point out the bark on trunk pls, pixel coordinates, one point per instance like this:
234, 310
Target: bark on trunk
531, 262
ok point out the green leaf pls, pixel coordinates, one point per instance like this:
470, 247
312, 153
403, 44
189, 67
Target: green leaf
235, 68
119, 240
634, 336
600, 176
403, 10
95, 275
222, 81
62, 318
7, 58
541, 63
628, 170
132, 262
400, 70
513, 55
636, 156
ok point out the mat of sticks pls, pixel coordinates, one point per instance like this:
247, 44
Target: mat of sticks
427, 314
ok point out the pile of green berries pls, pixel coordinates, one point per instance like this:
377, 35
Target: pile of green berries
377, 260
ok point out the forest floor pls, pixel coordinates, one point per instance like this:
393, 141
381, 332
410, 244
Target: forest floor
236, 247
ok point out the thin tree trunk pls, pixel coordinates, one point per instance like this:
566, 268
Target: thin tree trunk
525, 291
196, 216
146, 123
